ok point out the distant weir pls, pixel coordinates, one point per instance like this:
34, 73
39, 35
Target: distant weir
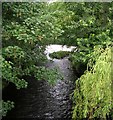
55, 48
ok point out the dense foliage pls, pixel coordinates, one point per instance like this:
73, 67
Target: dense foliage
24, 36
93, 93
6, 106
28, 27
91, 25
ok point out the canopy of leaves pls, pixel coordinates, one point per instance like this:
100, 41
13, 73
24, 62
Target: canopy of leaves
27, 28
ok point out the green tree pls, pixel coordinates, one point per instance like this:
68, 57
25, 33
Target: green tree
93, 93
27, 28
90, 25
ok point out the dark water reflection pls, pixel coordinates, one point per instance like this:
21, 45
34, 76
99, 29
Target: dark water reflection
40, 100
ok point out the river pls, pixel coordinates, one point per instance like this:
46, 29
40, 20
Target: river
41, 100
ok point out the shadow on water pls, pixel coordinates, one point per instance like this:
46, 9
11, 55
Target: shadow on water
41, 100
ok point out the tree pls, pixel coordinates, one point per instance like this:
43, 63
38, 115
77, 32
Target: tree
25, 34
93, 93
91, 25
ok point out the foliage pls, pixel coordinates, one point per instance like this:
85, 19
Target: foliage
59, 54
6, 106
28, 27
93, 94
90, 25
87, 20
63, 17
25, 34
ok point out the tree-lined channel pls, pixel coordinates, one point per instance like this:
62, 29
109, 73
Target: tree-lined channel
57, 60
41, 100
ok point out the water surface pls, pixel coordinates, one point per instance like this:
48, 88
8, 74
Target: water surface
41, 100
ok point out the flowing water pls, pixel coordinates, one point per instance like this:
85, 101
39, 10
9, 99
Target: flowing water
41, 100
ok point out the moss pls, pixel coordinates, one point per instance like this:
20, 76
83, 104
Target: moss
59, 54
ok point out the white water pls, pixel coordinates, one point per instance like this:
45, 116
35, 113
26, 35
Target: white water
56, 48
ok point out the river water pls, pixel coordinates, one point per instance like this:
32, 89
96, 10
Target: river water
41, 100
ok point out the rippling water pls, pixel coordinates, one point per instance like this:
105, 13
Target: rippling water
40, 100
